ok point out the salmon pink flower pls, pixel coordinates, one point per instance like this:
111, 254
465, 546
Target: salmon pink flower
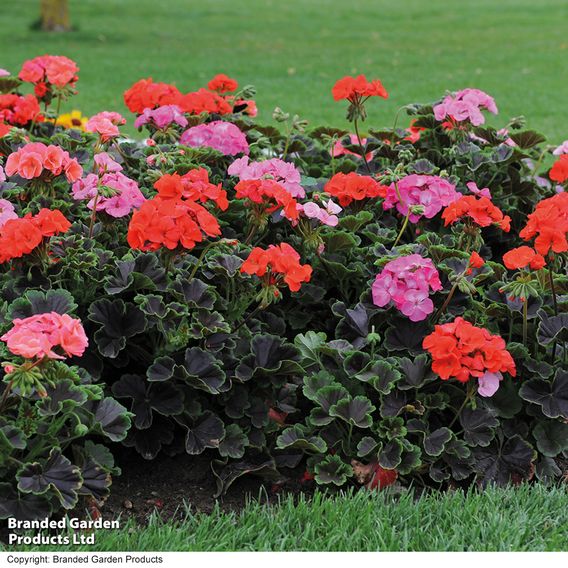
105, 124
46, 335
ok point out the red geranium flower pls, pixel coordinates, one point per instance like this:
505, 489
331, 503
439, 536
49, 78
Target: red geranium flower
521, 257
270, 194
549, 223
21, 236
277, 264
354, 187
222, 84
461, 350
355, 88
480, 210
559, 171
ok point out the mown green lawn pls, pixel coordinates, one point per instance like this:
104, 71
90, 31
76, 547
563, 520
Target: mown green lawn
522, 519
294, 50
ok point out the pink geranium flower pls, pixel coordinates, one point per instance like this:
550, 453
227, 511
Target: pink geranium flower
562, 149
431, 193
407, 282
127, 194
465, 105
7, 211
326, 215
162, 117
489, 384
284, 173
46, 335
485, 192
222, 136
340, 150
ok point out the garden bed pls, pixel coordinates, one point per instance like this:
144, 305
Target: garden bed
229, 300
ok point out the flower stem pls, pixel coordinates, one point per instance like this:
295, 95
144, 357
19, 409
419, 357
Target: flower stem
363, 155
525, 320
402, 229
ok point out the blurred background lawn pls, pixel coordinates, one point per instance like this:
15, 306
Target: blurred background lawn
294, 50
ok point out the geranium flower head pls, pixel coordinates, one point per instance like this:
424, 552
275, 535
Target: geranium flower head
406, 282
222, 84
559, 170
465, 105
521, 257
284, 173
353, 187
478, 210
429, 193
51, 335
222, 136
549, 224
355, 88
281, 263
461, 350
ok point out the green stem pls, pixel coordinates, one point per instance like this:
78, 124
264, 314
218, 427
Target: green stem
93, 215
402, 229
5, 394
200, 259
363, 155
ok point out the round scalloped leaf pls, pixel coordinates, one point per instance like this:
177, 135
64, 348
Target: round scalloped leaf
297, 437
332, 470
234, 443
551, 437
478, 425
22, 506
57, 475
551, 396
355, 411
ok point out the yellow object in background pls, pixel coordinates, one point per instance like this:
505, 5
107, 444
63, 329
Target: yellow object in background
73, 119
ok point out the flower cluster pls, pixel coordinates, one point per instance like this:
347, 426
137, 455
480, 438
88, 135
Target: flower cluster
222, 136
465, 105
326, 215
48, 71
194, 185
521, 257
20, 236
270, 195
161, 117
109, 191
221, 83
420, 196
461, 350
480, 210
285, 173
46, 335
105, 124
278, 263
356, 88
559, 170
406, 282
19, 110
549, 222
31, 160
145, 94
353, 187
171, 219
